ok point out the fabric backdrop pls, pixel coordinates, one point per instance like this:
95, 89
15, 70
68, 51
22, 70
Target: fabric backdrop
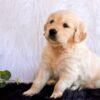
21, 31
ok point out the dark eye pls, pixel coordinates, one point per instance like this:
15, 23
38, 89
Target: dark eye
51, 21
65, 25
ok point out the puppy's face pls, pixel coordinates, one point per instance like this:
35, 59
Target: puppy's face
64, 27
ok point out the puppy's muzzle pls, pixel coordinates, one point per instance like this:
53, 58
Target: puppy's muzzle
52, 34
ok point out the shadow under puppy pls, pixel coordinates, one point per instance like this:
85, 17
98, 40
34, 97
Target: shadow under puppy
66, 58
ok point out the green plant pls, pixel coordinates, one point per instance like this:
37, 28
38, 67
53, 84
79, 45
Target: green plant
4, 76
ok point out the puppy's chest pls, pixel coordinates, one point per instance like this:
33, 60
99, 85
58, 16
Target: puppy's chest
55, 64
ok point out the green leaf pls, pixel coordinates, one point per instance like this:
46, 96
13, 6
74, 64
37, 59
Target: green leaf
2, 83
5, 75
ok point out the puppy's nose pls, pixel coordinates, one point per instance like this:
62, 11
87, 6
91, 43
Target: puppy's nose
52, 33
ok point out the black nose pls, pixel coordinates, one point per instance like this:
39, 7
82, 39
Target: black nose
52, 33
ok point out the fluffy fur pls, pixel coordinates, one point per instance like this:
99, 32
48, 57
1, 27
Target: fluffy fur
66, 59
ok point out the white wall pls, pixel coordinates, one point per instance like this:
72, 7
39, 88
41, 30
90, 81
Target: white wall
21, 31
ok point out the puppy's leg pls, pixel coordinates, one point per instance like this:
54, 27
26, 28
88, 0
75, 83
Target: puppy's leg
65, 81
40, 81
76, 85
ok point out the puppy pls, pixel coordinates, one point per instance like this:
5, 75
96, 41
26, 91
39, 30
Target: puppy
66, 58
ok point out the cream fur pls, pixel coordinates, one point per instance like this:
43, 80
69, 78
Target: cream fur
67, 60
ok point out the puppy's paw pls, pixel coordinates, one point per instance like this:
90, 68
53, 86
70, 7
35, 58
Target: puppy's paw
57, 94
74, 87
29, 92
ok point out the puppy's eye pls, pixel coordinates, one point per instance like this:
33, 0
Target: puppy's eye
51, 21
65, 25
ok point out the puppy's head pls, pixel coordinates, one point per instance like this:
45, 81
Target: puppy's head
64, 27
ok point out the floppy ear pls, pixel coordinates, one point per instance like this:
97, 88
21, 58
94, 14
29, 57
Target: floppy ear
80, 33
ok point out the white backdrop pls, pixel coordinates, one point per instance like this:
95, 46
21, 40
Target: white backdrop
21, 31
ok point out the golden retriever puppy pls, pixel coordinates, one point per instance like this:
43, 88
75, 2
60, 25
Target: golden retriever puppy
66, 58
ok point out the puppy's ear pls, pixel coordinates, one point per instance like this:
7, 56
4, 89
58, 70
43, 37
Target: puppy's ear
80, 33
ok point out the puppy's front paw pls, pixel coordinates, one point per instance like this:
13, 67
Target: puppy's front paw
75, 87
29, 92
56, 94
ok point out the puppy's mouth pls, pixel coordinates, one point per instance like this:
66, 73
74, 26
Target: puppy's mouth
52, 38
